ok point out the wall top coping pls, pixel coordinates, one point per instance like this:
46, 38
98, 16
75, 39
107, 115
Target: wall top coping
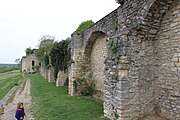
99, 21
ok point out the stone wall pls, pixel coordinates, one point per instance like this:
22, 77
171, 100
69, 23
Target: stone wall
43, 70
51, 75
61, 78
145, 80
47, 73
133, 54
98, 55
167, 55
82, 45
27, 63
23, 62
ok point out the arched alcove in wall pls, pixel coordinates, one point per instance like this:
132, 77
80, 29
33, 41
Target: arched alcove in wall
158, 71
95, 54
167, 47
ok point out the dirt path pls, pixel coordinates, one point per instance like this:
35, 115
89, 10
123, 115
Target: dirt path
24, 96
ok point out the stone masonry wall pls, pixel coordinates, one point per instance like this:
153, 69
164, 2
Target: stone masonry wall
27, 63
43, 70
23, 62
145, 80
98, 55
61, 78
82, 44
51, 75
47, 73
167, 54
126, 97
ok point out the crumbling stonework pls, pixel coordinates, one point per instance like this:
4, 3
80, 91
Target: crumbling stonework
51, 75
47, 73
61, 78
98, 55
145, 80
29, 63
43, 71
167, 56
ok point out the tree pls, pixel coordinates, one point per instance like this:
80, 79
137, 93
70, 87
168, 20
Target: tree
46, 43
84, 25
18, 61
28, 50
47, 37
120, 2
58, 56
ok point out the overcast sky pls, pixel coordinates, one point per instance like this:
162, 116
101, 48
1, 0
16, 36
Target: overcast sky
22, 22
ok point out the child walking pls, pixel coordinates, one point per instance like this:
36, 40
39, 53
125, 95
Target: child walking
20, 112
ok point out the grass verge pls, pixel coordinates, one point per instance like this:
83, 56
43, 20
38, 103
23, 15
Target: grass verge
52, 103
21, 85
7, 82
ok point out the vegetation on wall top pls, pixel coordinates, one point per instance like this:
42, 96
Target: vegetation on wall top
52, 53
120, 2
58, 56
28, 50
46, 43
84, 25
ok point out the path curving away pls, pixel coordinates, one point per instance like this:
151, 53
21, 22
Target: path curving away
24, 96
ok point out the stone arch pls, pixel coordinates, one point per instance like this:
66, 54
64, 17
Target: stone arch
137, 96
151, 16
94, 54
91, 40
158, 46
167, 47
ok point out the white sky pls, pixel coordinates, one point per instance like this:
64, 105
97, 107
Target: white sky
22, 22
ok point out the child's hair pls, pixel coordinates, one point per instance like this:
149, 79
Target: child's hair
21, 103
18, 105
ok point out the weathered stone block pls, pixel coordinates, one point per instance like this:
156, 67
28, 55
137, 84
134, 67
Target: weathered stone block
123, 73
51, 75
61, 78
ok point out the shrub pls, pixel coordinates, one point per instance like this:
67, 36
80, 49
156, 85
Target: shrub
28, 51
59, 53
84, 25
66, 83
88, 91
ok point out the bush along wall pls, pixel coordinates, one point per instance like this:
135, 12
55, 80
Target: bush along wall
58, 56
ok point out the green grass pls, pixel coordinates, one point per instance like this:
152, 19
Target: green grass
7, 81
21, 85
8, 75
52, 103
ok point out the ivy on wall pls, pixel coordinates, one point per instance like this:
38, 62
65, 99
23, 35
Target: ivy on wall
138, 26
85, 86
58, 56
114, 49
47, 61
53, 54
44, 48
